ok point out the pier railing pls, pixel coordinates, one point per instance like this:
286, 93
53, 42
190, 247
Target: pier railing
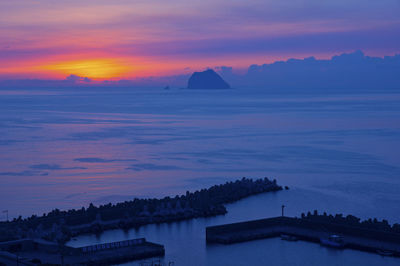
113, 245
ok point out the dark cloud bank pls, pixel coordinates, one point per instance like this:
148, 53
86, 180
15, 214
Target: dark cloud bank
346, 72
353, 71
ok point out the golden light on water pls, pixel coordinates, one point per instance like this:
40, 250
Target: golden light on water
92, 68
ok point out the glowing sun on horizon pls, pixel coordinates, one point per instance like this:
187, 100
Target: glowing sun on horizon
91, 68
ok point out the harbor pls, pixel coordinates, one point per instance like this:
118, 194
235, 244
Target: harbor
382, 242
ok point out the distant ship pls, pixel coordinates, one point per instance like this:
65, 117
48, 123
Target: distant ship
333, 241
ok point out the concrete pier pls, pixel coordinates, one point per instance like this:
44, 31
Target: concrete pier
354, 237
37, 251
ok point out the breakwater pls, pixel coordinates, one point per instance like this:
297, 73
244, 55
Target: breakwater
62, 225
309, 229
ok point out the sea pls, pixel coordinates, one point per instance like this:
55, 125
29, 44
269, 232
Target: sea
338, 152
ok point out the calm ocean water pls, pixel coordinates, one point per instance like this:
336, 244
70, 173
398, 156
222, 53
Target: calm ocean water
338, 153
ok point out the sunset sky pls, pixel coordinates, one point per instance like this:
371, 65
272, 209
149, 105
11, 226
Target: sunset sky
120, 39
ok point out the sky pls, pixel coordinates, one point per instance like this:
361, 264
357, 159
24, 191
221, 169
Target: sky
125, 39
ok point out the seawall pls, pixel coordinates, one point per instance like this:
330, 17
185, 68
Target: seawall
354, 237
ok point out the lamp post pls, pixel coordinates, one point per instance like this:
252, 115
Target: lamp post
6, 212
283, 210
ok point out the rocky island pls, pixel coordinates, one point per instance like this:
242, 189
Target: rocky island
207, 80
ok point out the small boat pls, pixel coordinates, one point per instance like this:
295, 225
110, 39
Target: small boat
384, 252
333, 241
289, 237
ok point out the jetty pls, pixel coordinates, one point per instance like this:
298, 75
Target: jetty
60, 225
367, 236
39, 251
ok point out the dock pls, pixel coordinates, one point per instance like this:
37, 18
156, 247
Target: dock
354, 237
38, 251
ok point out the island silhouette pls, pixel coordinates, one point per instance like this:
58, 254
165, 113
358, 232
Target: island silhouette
207, 79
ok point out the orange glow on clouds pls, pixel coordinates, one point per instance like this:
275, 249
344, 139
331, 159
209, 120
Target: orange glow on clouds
114, 67
94, 66
104, 68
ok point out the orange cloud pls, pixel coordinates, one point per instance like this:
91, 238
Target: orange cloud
103, 68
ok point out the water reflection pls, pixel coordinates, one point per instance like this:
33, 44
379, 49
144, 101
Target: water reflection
338, 153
